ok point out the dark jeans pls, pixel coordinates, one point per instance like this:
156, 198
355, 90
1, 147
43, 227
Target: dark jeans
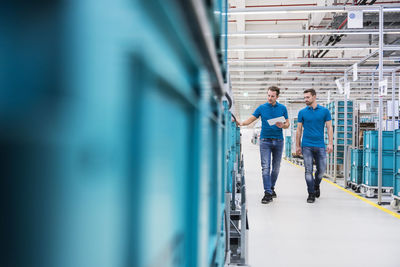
268, 147
317, 154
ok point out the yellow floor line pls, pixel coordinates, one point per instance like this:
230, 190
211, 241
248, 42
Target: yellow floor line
355, 195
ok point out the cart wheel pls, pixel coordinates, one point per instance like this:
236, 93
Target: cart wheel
363, 190
370, 193
353, 187
357, 189
395, 204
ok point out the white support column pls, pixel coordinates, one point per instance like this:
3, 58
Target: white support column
380, 106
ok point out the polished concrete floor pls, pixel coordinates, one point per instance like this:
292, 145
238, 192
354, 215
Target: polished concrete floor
337, 230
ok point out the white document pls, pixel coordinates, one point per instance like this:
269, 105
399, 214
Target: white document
275, 120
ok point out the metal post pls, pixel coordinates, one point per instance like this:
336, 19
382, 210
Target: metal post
345, 136
380, 107
228, 226
335, 143
373, 94
393, 99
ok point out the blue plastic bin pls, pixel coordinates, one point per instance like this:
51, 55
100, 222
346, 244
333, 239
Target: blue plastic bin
356, 174
371, 160
371, 140
357, 157
370, 177
397, 140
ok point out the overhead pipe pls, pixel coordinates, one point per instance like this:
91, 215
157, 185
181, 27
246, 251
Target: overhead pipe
303, 69
309, 32
296, 47
310, 9
305, 59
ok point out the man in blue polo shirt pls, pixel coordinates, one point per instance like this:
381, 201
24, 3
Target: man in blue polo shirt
313, 119
271, 140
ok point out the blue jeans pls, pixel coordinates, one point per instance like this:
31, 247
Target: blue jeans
317, 154
268, 147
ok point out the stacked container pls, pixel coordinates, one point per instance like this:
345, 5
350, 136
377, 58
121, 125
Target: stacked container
370, 157
338, 121
396, 176
356, 166
288, 146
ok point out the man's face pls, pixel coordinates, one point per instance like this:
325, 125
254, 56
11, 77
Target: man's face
272, 97
309, 98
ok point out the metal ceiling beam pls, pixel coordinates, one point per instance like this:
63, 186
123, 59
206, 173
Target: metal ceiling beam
309, 32
296, 75
305, 59
338, 69
263, 83
311, 9
310, 60
315, 47
355, 90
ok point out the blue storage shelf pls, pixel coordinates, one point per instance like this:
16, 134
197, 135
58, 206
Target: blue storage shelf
341, 141
341, 115
341, 128
340, 148
370, 177
288, 146
341, 122
341, 109
341, 103
341, 135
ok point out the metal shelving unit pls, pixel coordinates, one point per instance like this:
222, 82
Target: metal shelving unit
343, 132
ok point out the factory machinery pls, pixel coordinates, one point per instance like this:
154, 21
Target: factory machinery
117, 144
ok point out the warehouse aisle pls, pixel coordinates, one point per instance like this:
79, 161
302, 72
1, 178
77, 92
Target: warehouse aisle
337, 230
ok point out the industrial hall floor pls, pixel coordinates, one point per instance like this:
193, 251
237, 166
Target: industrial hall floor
337, 230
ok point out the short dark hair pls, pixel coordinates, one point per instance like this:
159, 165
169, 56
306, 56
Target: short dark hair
312, 91
274, 89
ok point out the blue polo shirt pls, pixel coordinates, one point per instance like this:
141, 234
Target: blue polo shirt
313, 121
267, 112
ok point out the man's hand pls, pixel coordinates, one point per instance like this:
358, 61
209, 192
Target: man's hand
298, 151
238, 123
329, 149
279, 124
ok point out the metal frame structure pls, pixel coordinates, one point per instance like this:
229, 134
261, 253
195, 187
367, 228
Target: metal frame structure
381, 71
253, 64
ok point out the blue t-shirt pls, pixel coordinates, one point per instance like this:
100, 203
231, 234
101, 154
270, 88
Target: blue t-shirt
313, 121
267, 112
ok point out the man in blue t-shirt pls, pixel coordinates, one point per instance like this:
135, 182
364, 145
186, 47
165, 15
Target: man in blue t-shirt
271, 140
313, 119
